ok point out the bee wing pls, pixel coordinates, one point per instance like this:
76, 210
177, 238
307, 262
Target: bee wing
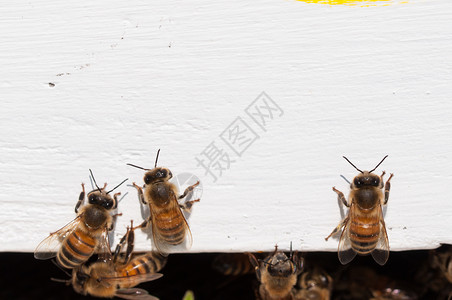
162, 246
345, 251
104, 248
49, 247
381, 251
131, 279
134, 294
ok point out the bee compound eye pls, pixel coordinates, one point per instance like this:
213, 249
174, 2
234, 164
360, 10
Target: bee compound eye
107, 204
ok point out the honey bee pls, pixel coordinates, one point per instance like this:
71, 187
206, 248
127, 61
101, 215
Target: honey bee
364, 227
442, 261
315, 284
77, 241
277, 275
232, 264
131, 265
118, 276
169, 226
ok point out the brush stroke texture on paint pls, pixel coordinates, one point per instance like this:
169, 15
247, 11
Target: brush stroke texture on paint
362, 3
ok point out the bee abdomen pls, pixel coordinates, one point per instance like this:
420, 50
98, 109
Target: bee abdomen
145, 264
233, 264
76, 249
364, 236
172, 232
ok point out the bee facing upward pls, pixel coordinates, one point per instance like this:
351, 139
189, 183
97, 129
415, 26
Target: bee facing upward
277, 274
364, 227
169, 227
76, 242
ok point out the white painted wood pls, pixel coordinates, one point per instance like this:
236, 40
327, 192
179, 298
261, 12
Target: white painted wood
132, 77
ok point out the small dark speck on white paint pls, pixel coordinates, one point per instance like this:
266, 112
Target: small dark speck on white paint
404, 227
51, 84
390, 228
229, 237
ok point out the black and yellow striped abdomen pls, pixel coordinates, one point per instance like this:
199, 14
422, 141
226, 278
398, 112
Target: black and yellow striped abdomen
171, 225
76, 249
148, 263
364, 232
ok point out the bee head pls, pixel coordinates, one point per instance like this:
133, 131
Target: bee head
280, 265
79, 279
157, 174
102, 199
366, 179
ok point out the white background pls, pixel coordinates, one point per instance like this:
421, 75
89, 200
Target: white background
130, 78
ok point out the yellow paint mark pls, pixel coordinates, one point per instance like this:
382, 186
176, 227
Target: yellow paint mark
362, 3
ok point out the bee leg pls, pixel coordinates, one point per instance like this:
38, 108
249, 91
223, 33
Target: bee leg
142, 225
298, 262
80, 198
128, 238
338, 227
188, 190
111, 225
105, 185
119, 246
140, 193
387, 188
130, 243
187, 205
341, 197
254, 262
115, 196
381, 179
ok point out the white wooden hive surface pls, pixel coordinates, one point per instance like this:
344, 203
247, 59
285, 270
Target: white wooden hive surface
98, 85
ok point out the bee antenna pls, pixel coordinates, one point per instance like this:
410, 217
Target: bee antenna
117, 185
66, 281
352, 164
378, 164
265, 262
135, 166
290, 257
156, 158
92, 176
59, 267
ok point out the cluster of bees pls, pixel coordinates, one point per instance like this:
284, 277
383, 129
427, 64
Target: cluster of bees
316, 277
116, 274
280, 276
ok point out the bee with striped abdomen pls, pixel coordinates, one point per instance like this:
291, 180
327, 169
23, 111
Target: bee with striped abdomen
118, 276
364, 228
232, 264
76, 242
169, 226
132, 265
